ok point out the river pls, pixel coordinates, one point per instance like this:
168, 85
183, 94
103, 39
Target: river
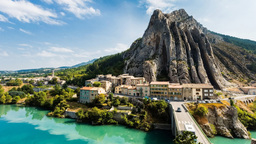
28, 125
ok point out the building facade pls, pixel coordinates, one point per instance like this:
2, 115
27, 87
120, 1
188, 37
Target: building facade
143, 90
107, 85
88, 94
159, 89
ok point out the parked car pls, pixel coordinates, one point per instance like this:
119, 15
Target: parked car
178, 109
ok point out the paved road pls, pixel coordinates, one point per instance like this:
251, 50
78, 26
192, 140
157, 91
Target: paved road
184, 117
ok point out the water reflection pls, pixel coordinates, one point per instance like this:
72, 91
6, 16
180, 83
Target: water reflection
74, 131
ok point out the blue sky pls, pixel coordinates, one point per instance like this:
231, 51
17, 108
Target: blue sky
53, 33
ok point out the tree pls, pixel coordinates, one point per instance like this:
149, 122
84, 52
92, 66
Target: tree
100, 99
16, 82
89, 85
31, 81
231, 102
8, 98
15, 99
96, 84
185, 138
39, 83
27, 89
65, 86
1, 90
124, 100
201, 111
111, 96
116, 102
80, 114
3, 99
53, 81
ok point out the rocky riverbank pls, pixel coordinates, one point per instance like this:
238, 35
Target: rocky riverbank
220, 119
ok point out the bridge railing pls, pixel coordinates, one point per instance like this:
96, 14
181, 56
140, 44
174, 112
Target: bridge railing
197, 125
176, 123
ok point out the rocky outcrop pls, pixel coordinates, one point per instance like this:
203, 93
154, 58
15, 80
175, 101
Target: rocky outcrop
225, 121
177, 46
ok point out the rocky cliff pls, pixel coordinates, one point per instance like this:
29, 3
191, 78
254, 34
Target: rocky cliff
226, 123
175, 47
221, 119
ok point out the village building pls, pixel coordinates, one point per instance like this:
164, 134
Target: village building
106, 85
88, 94
197, 91
159, 89
143, 90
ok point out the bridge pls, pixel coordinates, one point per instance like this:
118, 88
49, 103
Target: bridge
247, 99
178, 119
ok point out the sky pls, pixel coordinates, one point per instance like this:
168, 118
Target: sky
54, 33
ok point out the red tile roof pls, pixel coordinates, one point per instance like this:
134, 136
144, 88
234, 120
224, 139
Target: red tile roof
86, 88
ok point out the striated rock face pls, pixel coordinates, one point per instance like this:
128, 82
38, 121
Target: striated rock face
175, 47
226, 123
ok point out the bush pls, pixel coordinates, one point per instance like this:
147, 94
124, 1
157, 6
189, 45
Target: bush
185, 138
96, 84
16, 82
214, 131
201, 111
15, 99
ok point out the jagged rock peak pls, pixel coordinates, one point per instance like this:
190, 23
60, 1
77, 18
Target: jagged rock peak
180, 16
174, 47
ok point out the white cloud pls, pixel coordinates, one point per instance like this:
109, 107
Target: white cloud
28, 12
25, 45
48, 1
62, 13
3, 53
46, 54
118, 48
164, 5
25, 31
10, 28
3, 18
22, 49
84, 54
78, 7
61, 50
1, 29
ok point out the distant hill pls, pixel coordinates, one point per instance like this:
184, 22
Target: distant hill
45, 70
83, 63
112, 64
243, 43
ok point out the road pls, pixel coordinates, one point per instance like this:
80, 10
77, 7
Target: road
184, 117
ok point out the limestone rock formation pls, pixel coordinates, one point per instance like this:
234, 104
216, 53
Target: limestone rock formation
175, 47
226, 122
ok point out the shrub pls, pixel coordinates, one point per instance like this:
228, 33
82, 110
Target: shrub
201, 111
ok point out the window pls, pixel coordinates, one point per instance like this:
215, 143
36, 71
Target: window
211, 90
205, 90
197, 89
205, 94
211, 94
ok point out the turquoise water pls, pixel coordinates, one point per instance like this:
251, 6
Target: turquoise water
26, 125
223, 140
